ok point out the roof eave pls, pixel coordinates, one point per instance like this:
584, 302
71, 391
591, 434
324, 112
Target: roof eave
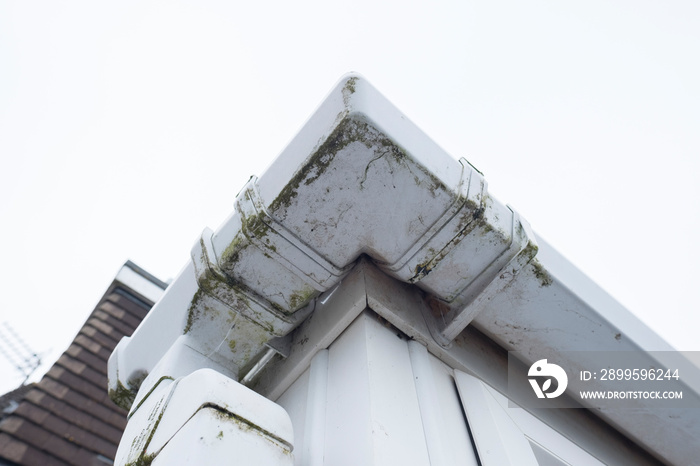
361, 179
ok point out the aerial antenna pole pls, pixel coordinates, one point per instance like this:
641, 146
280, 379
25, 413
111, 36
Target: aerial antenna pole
17, 352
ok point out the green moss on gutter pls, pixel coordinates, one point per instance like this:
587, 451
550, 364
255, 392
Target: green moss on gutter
347, 91
144, 460
350, 85
145, 397
470, 213
246, 425
199, 307
256, 225
192, 313
232, 250
301, 298
472, 218
541, 273
350, 130
530, 250
122, 396
316, 164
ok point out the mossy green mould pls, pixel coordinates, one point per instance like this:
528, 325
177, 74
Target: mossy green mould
347, 91
145, 397
210, 288
350, 85
192, 313
224, 289
315, 165
301, 298
471, 219
231, 252
256, 225
530, 250
541, 273
352, 129
143, 460
246, 425
199, 308
122, 396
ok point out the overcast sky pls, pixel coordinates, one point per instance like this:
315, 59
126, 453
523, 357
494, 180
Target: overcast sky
127, 128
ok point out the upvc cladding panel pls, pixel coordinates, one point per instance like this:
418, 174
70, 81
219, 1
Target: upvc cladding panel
454, 432
362, 401
371, 406
294, 401
372, 401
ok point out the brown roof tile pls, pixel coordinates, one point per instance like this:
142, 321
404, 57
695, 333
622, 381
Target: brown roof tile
71, 364
120, 314
114, 311
108, 412
138, 310
67, 418
12, 449
76, 435
35, 457
20, 428
83, 370
88, 344
66, 450
52, 387
93, 361
103, 327
9, 401
19, 452
79, 384
117, 326
106, 341
32, 412
10, 424
85, 419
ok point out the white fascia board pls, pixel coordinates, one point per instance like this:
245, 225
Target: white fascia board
151, 289
361, 179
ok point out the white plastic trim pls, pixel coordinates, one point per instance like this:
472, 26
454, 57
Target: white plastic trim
315, 425
429, 409
498, 439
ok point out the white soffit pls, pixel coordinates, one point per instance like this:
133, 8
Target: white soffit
361, 179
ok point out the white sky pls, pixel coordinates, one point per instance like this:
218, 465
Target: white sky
128, 127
